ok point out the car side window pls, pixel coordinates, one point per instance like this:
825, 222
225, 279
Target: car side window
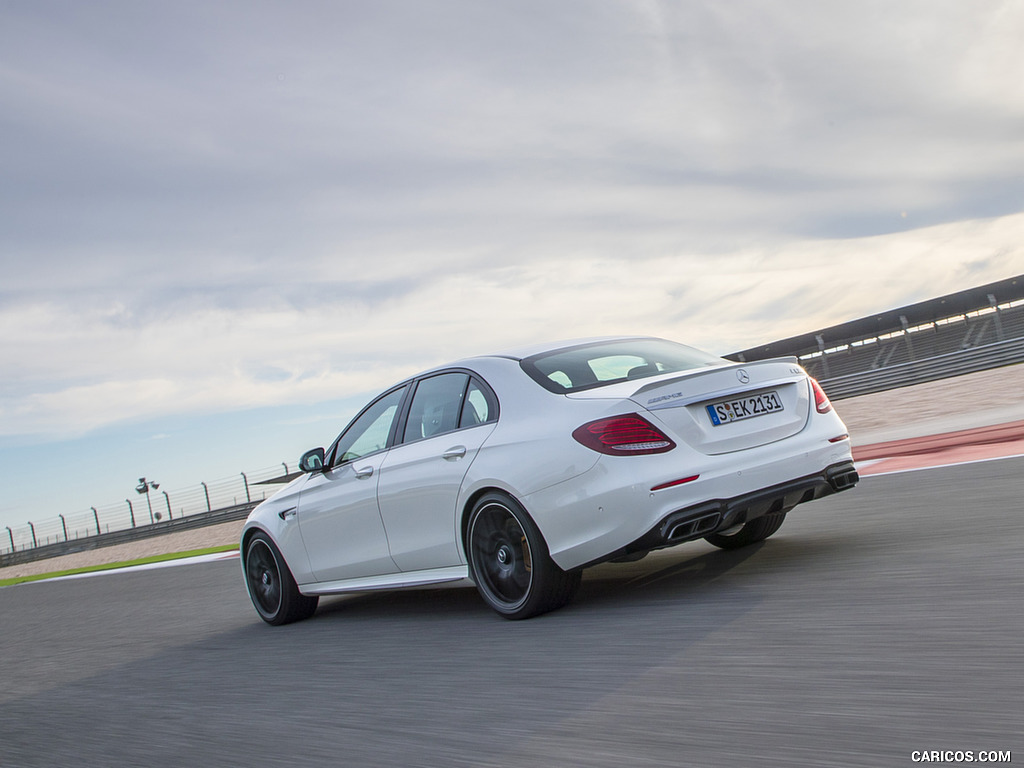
479, 406
369, 432
436, 406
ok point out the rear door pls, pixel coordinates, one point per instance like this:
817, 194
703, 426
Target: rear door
449, 417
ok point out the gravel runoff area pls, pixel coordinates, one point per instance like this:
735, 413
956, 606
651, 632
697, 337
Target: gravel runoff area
975, 400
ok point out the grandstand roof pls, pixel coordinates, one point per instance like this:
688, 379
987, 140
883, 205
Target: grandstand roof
960, 303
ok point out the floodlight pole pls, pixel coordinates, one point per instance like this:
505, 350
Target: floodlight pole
145, 486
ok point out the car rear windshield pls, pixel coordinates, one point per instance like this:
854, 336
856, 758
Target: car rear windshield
607, 362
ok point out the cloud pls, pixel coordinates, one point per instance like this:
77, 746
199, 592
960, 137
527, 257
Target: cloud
76, 369
243, 204
326, 129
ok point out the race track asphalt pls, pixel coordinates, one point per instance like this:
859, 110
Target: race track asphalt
875, 623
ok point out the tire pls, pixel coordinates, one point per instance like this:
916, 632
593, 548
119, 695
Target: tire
509, 561
749, 533
271, 585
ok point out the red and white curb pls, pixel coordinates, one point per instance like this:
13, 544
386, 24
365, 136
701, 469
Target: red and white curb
969, 446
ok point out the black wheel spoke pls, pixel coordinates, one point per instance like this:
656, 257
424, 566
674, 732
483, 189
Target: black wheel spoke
510, 563
517, 580
272, 587
264, 577
501, 555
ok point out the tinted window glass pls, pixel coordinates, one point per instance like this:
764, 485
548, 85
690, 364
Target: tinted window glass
592, 365
479, 407
560, 378
436, 406
369, 432
615, 367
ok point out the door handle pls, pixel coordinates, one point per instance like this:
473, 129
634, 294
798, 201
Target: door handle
364, 472
454, 453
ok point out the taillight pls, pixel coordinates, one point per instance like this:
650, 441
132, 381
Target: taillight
626, 435
821, 401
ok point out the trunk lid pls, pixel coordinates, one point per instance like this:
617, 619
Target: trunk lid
725, 408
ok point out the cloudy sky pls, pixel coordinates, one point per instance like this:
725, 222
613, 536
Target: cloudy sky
222, 225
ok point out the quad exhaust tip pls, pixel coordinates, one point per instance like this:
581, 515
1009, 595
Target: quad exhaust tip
691, 529
845, 478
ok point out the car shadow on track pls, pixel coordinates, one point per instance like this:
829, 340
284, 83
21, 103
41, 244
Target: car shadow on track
417, 603
664, 575
689, 569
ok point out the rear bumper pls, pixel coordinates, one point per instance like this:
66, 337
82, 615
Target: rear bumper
702, 519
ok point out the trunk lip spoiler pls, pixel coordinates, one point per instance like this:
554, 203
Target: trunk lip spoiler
680, 401
796, 374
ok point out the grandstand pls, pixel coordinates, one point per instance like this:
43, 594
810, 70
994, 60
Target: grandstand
947, 336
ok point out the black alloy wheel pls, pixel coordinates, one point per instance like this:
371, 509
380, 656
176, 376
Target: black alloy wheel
272, 588
509, 561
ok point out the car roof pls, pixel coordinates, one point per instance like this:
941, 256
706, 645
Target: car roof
521, 353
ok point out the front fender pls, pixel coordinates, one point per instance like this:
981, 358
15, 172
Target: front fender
273, 519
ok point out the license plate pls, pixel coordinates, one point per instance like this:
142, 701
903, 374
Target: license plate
745, 407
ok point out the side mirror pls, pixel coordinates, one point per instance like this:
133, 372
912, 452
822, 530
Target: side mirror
312, 461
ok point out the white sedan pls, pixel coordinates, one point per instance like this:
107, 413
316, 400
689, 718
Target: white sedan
519, 470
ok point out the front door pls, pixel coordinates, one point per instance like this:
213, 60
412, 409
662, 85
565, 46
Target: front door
337, 512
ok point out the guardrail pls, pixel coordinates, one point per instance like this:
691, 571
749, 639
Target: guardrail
200, 520
965, 361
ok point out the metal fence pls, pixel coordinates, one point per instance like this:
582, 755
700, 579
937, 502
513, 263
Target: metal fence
152, 509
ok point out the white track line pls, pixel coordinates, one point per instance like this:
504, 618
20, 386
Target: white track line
210, 558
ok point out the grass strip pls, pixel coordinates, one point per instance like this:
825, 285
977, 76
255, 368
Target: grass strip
122, 564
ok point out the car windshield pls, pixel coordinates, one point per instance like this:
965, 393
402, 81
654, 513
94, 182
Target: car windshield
593, 365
